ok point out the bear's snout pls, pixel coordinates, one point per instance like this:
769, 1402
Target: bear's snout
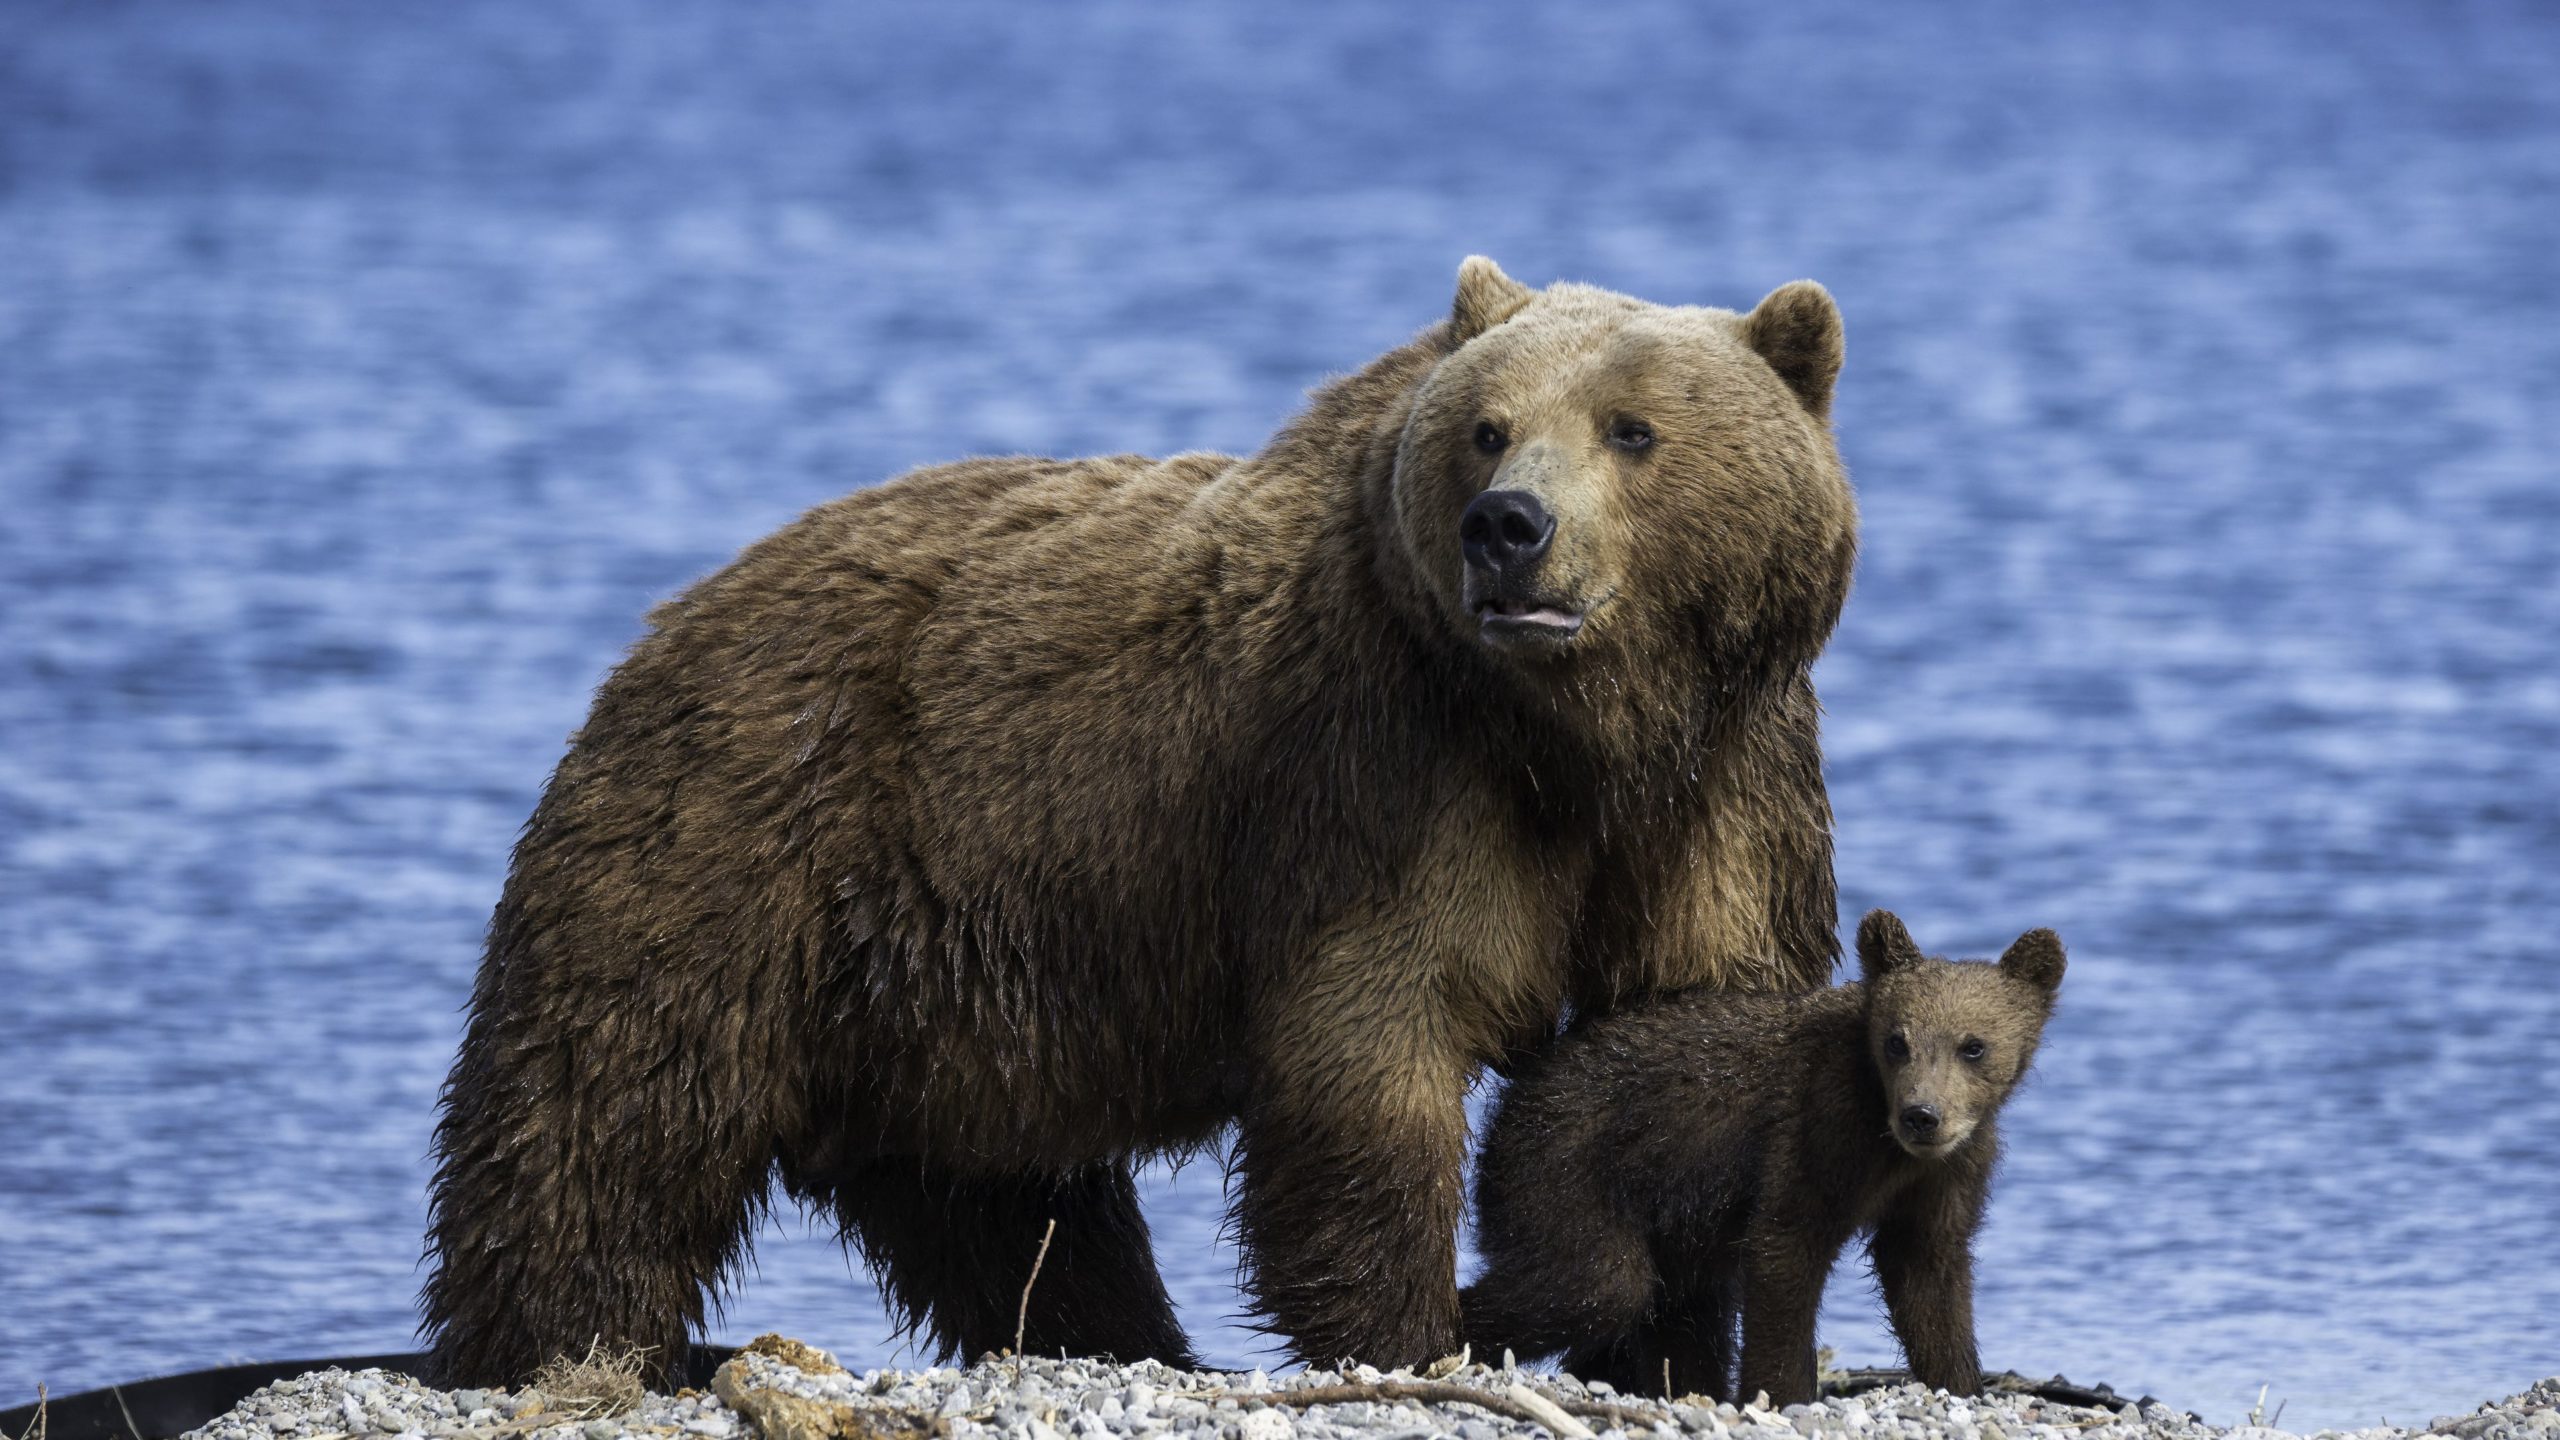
1505, 536
1505, 532
1920, 1124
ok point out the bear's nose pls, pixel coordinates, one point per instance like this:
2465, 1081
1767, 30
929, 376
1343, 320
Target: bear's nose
1505, 531
1919, 1121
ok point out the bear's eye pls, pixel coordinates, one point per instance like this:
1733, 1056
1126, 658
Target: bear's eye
1489, 437
1973, 1049
1896, 1048
1631, 435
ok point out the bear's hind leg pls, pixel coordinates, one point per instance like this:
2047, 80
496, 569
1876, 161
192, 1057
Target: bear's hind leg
584, 1196
953, 1253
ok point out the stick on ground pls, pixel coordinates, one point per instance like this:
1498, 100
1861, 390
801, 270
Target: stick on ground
1442, 1392
1022, 1315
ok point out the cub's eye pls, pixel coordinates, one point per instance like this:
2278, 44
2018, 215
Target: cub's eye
1631, 435
1973, 1049
1896, 1048
1489, 438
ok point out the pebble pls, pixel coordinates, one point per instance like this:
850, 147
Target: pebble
1039, 1399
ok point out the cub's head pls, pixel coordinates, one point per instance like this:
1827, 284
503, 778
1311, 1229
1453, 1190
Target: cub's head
1951, 1039
1588, 475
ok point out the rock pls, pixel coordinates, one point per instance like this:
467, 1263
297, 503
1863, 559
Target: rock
1270, 1422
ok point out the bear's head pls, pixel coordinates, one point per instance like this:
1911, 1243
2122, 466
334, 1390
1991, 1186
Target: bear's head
1594, 489
1951, 1039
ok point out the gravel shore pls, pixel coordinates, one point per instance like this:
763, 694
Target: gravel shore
781, 1390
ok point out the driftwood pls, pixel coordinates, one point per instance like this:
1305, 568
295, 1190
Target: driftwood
2007, 1382
1519, 1402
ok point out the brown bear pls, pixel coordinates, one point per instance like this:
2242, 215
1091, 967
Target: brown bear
1669, 1165
983, 833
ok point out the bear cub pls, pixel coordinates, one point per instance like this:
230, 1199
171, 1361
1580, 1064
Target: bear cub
1666, 1168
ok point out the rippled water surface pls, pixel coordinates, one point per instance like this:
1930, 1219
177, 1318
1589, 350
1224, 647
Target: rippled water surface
367, 370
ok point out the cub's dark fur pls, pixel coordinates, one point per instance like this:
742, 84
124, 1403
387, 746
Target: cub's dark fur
1676, 1163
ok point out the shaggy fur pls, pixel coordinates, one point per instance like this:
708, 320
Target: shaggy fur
1676, 1164
983, 833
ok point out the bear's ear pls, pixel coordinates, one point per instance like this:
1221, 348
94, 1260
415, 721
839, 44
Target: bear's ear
1486, 298
1884, 946
2035, 957
1797, 330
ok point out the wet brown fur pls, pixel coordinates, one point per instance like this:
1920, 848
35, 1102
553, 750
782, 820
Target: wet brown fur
986, 832
1680, 1165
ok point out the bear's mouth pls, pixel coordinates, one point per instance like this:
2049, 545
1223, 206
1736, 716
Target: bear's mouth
1530, 625
1931, 1147
1527, 626
1501, 617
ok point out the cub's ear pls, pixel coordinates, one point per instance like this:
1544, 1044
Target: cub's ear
1486, 298
1884, 946
2035, 957
1797, 330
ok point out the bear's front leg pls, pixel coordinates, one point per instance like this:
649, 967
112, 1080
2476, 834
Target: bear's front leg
1923, 1254
1351, 1155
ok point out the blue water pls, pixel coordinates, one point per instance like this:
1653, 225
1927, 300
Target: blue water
367, 370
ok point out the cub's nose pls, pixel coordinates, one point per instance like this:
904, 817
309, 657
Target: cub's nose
1920, 1122
1505, 531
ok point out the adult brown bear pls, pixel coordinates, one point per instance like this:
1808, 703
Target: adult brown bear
983, 833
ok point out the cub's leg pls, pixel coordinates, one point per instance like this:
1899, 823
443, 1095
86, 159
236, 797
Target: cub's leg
953, 1253
1564, 1286
1632, 1362
1785, 1266
1697, 1327
1923, 1254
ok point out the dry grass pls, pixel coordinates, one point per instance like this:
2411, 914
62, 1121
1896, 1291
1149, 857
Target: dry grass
604, 1384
